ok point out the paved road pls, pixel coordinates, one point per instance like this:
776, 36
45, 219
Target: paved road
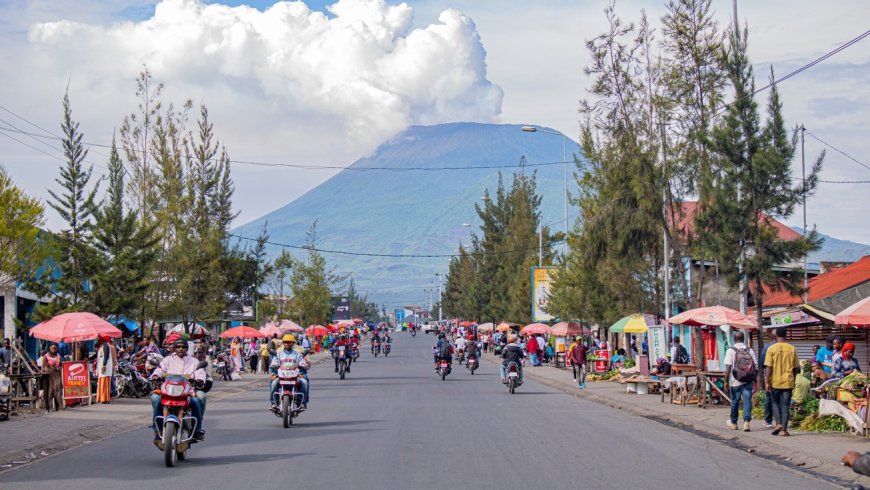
394, 424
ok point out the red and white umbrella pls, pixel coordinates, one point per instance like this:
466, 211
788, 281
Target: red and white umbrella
74, 327
714, 316
857, 315
270, 330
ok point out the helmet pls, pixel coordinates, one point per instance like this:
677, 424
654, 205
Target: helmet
288, 338
578, 338
343, 337
180, 342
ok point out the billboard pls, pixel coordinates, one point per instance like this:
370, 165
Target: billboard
342, 308
541, 280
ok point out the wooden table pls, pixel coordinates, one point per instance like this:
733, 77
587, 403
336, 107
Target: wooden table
709, 378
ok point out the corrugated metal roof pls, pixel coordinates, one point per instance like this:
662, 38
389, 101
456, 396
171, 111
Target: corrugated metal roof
825, 285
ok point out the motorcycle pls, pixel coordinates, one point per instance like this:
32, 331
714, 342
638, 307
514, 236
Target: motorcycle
342, 361
443, 369
460, 356
376, 349
176, 426
471, 364
289, 394
223, 365
413, 332
129, 382
387, 348
513, 375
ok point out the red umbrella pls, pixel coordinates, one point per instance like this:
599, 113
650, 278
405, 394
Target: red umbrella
536, 328
857, 315
74, 327
569, 329
358, 321
270, 330
171, 338
316, 331
714, 316
466, 323
243, 332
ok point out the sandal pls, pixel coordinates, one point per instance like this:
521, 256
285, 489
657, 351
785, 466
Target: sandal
777, 430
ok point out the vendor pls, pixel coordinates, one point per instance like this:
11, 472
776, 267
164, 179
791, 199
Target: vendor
846, 363
663, 367
617, 361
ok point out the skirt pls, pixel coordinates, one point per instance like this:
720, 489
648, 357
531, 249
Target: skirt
104, 389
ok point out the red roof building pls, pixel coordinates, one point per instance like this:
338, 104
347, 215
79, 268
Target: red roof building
830, 291
684, 222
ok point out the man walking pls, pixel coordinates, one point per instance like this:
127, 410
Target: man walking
577, 359
782, 365
741, 369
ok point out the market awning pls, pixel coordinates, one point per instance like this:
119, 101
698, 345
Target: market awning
819, 313
129, 324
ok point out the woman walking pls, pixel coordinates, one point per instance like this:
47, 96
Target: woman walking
236, 355
254, 355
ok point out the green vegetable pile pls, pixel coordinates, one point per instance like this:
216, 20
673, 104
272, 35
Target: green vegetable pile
828, 423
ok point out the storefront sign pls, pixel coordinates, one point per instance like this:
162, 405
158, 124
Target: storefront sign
602, 365
658, 344
541, 280
76, 380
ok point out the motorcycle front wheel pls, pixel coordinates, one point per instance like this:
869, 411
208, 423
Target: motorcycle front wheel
170, 456
286, 415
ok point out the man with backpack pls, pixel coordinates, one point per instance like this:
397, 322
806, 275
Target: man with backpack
679, 354
741, 369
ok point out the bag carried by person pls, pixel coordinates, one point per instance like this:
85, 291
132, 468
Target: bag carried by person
744, 369
682, 355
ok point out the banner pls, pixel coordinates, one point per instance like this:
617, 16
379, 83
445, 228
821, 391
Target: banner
658, 344
541, 278
76, 380
342, 308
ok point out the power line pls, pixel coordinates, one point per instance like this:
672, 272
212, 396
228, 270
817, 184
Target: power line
809, 65
850, 157
363, 254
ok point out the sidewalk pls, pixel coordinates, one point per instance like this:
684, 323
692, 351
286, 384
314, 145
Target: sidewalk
815, 453
27, 438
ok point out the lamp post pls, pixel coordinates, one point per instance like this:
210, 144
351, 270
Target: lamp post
532, 129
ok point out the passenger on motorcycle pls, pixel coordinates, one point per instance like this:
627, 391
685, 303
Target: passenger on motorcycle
376, 341
181, 364
512, 353
281, 355
342, 341
471, 347
443, 350
387, 338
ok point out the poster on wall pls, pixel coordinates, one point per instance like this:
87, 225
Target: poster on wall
541, 280
658, 344
76, 380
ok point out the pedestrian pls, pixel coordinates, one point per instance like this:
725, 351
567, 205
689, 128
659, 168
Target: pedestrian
632, 344
106, 360
254, 355
532, 348
768, 401
782, 366
542, 345
264, 356
5, 355
741, 369
576, 357
51, 366
236, 355
644, 346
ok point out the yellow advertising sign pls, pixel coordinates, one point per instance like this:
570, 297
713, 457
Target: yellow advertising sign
541, 279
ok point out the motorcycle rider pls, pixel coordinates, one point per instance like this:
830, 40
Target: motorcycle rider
459, 344
512, 353
342, 341
470, 348
376, 341
388, 339
443, 350
287, 352
181, 364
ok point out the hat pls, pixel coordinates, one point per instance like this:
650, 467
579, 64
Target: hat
288, 338
849, 346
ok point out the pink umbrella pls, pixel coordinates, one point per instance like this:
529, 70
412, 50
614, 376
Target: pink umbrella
536, 328
290, 325
243, 332
569, 329
270, 330
857, 315
74, 327
714, 316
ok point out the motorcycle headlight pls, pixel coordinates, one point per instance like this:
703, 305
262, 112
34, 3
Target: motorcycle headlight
174, 390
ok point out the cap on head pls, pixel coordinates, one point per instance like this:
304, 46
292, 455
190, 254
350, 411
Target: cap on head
288, 338
179, 343
578, 338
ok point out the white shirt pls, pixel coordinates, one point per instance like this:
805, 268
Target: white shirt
460, 343
730, 358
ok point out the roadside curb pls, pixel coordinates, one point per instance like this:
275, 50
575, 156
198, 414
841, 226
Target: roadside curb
836, 474
94, 432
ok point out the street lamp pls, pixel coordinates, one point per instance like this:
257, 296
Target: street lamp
532, 129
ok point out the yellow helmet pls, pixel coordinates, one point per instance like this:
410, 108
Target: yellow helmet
288, 338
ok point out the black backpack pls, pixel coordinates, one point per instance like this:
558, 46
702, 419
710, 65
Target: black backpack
682, 355
744, 368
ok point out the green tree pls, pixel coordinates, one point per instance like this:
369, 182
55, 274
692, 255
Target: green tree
312, 285
138, 131
754, 182
125, 250
75, 205
19, 227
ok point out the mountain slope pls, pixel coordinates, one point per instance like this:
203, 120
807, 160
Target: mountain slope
836, 250
409, 210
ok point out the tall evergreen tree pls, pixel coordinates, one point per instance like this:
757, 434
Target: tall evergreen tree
125, 250
312, 285
754, 183
19, 226
75, 203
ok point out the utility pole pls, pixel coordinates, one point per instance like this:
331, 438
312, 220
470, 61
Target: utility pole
667, 252
440, 311
804, 198
541, 244
565, 163
740, 268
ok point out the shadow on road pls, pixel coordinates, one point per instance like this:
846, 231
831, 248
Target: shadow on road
242, 458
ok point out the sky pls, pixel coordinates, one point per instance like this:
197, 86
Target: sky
323, 83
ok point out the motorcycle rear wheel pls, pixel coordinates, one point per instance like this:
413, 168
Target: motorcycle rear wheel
443, 374
512, 386
170, 455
